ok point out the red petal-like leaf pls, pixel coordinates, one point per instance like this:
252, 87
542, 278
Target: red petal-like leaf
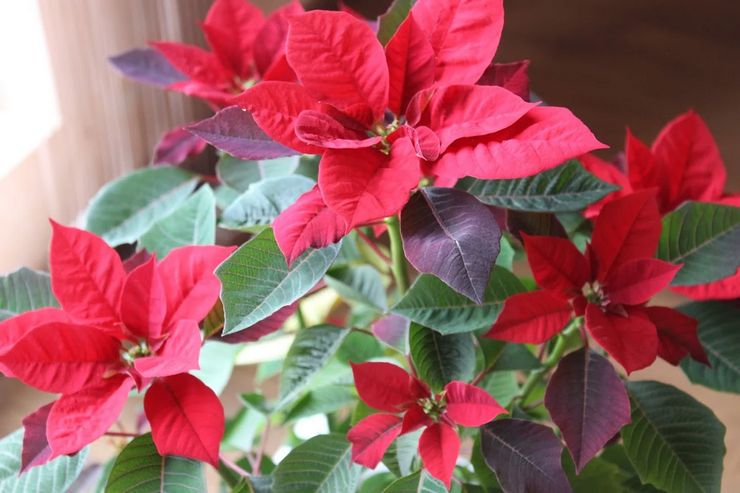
320, 129
87, 277
36, 449
626, 229
364, 185
608, 172
189, 282
542, 139
308, 223
78, 419
147, 66
272, 36
195, 62
459, 111
410, 59
62, 358
464, 35
187, 418
468, 405
414, 418
14, 328
178, 354
372, 436
631, 339
511, 76
384, 386
636, 281
525, 456
588, 401
177, 145
338, 59
556, 264
143, 302
231, 27
233, 130
450, 234
645, 171
439, 447
677, 335
531, 318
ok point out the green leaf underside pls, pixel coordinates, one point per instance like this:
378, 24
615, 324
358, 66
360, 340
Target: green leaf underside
440, 359
362, 283
394, 16
674, 442
256, 281
25, 290
419, 482
239, 174
567, 187
704, 238
322, 464
139, 468
126, 208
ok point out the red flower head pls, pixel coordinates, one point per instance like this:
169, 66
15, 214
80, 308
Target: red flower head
387, 387
245, 48
683, 164
113, 332
610, 285
382, 118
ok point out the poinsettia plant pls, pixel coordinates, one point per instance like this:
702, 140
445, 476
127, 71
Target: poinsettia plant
381, 188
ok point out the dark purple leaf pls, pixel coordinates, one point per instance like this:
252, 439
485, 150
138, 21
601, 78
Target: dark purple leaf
233, 130
524, 455
450, 234
588, 402
512, 76
534, 223
147, 66
36, 449
261, 328
177, 145
393, 330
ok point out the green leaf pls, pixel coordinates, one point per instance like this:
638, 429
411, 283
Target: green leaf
126, 208
430, 302
419, 482
241, 430
311, 349
674, 442
566, 188
192, 223
502, 356
359, 347
440, 359
376, 482
264, 201
320, 465
719, 334
25, 290
502, 385
256, 282
53, 476
239, 174
394, 16
598, 475
363, 284
399, 457
506, 254
216, 364
703, 237
322, 400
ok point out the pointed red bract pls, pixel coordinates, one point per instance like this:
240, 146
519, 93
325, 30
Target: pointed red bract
271, 46
308, 223
187, 418
87, 277
468, 405
531, 318
320, 129
630, 338
636, 281
372, 436
384, 386
36, 449
439, 447
78, 419
231, 27
178, 354
677, 334
414, 418
143, 302
14, 328
556, 264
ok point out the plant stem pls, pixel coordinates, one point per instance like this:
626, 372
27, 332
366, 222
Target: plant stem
301, 318
233, 466
398, 267
121, 434
263, 446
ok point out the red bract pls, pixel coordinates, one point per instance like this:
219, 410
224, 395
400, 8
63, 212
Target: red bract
610, 285
387, 387
384, 118
683, 164
113, 332
245, 48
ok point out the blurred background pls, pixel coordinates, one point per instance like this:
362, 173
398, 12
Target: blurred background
69, 122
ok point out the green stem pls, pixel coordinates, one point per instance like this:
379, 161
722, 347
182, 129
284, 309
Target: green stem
399, 268
301, 318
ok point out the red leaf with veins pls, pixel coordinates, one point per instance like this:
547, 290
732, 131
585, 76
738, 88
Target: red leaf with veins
231, 27
272, 36
197, 63
308, 223
338, 59
468, 405
143, 302
414, 418
79, 419
556, 264
677, 335
87, 277
14, 328
439, 447
320, 129
186, 416
177, 145
372, 436
385, 386
365, 185
36, 449
178, 354
464, 35
531, 318
636, 281
727, 288
410, 59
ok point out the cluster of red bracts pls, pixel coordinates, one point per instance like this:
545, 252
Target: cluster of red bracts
116, 331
